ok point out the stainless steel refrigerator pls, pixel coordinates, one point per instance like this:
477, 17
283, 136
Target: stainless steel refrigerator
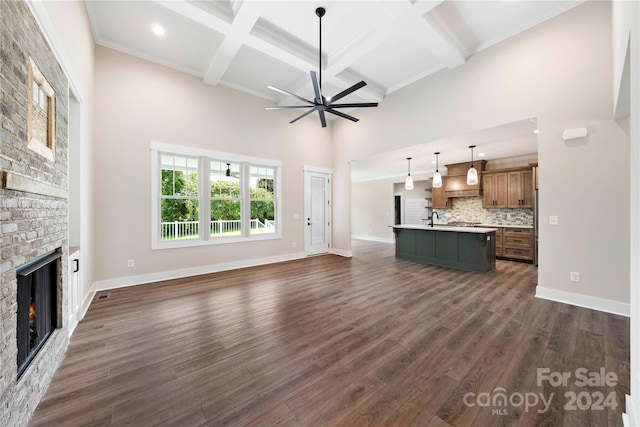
536, 228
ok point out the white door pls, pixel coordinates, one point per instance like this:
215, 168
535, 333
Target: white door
317, 212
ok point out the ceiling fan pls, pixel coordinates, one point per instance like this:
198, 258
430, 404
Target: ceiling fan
228, 172
321, 103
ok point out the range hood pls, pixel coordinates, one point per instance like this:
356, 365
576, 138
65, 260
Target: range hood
456, 180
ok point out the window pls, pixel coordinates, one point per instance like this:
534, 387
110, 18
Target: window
203, 197
262, 199
179, 198
226, 203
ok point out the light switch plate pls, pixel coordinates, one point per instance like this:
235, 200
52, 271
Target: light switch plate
553, 220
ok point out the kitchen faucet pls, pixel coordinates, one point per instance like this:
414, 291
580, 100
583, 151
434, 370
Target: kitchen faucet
432, 215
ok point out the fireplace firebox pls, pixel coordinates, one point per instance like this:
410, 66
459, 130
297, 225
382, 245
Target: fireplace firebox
37, 315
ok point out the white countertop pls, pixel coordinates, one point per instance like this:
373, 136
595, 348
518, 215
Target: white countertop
436, 227
506, 225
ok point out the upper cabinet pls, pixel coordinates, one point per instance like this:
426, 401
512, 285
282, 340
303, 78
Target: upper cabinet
521, 189
495, 190
439, 199
512, 188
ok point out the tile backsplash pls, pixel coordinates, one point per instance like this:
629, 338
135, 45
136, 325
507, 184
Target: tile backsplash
469, 209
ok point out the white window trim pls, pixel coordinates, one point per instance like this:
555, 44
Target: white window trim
205, 239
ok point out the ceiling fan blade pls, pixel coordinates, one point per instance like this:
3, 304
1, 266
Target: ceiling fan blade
356, 105
348, 91
316, 87
282, 107
311, 110
290, 94
343, 115
323, 121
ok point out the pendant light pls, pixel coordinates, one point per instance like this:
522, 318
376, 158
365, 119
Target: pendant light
472, 173
437, 178
408, 183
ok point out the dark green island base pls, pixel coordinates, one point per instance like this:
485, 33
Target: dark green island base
464, 248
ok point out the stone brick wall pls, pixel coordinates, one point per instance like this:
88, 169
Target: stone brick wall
30, 224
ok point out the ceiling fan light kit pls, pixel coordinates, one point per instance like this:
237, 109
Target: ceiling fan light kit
320, 103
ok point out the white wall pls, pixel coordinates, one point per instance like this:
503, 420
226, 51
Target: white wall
626, 54
372, 209
67, 28
137, 102
561, 73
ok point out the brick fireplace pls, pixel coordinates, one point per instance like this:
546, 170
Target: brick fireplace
33, 207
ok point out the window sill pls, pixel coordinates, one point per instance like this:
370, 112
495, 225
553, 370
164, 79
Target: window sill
188, 243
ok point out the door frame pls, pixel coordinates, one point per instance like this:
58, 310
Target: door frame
308, 170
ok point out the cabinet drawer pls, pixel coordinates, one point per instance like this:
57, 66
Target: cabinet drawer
518, 231
516, 240
518, 253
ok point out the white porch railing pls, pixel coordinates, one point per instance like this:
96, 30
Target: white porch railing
178, 230
189, 229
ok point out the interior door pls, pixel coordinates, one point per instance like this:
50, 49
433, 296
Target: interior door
317, 212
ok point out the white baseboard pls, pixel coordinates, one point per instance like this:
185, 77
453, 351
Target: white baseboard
630, 417
86, 302
600, 304
373, 238
121, 282
341, 252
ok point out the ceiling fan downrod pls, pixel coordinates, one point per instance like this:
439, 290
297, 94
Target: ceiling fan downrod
320, 103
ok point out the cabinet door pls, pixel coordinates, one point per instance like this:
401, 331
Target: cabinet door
515, 189
502, 191
527, 189
439, 197
495, 190
488, 190
499, 239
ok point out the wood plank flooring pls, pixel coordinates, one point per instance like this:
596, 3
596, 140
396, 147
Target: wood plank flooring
366, 341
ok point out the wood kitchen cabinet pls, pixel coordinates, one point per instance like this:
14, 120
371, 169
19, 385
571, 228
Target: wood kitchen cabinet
520, 189
517, 243
439, 197
494, 190
514, 243
512, 188
499, 240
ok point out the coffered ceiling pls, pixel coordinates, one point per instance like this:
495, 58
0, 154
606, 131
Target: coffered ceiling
248, 45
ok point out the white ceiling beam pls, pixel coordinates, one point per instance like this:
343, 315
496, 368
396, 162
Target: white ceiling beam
375, 34
238, 34
247, 14
198, 15
410, 20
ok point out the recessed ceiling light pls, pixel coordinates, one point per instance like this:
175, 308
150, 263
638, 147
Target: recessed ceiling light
158, 30
536, 131
481, 155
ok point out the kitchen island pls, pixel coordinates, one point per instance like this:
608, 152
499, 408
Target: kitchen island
464, 248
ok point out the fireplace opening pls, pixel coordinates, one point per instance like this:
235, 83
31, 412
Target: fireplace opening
37, 315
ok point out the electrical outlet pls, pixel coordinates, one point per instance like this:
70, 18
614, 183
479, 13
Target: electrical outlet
553, 220
293, 244
574, 276
130, 263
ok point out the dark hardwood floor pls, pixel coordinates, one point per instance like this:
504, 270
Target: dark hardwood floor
327, 340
